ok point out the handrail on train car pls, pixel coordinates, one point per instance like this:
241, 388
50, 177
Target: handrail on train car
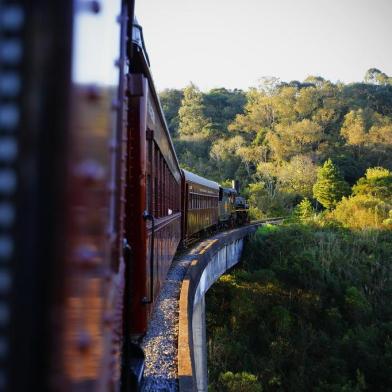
148, 216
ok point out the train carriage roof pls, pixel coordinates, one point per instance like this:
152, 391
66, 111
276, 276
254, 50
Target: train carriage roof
192, 177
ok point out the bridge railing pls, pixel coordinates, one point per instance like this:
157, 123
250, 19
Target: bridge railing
220, 253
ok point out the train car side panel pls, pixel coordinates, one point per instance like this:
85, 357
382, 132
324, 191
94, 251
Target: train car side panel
153, 212
200, 204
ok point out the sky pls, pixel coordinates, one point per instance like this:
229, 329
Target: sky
233, 43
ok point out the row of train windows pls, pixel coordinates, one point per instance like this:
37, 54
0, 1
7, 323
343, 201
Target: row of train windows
201, 202
163, 191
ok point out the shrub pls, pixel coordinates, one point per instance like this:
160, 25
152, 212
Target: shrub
240, 382
362, 212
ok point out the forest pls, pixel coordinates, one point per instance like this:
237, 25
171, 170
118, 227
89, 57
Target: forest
309, 308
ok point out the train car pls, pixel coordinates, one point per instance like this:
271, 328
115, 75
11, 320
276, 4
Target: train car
63, 109
227, 206
153, 210
200, 198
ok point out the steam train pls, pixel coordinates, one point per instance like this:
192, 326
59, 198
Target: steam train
93, 203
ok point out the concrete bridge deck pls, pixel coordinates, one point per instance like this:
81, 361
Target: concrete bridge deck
218, 254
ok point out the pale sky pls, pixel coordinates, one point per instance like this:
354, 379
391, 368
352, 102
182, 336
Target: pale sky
233, 43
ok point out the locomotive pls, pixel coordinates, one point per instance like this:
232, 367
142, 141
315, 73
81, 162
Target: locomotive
93, 202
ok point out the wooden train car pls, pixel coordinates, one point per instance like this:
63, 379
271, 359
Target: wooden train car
65, 110
153, 212
200, 199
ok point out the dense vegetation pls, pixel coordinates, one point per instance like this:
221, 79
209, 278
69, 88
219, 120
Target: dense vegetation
273, 138
310, 306
309, 309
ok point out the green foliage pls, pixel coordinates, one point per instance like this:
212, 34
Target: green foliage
171, 102
377, 183
362, 212
308, 309
295, 138
222, 105
375, 76
192, 121
305, 210
265, 198
278, 133
371, 203
330, 186
239, 382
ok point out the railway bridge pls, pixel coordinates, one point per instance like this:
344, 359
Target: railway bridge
185, 351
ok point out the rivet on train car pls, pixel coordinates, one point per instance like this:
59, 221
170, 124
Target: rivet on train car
12, 18
9, 117
95, 6
8, 149
10, 85
11, 51
83, 341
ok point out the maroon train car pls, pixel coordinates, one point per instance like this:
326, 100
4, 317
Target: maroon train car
153, 214
199, 205
63, 89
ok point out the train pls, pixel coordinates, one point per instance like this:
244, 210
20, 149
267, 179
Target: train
93, 202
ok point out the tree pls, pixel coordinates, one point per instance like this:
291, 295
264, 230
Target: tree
330, 186
191, 116
375, 76
304, 210
240, 382
362, 212
171, 102
221, 106
355, 126
288, 140
377, 183
259, 115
